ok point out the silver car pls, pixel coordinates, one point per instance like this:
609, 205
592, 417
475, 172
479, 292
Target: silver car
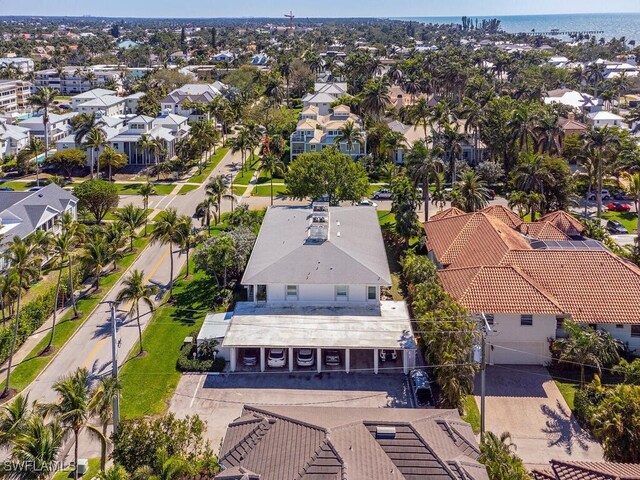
276, 358
305, 357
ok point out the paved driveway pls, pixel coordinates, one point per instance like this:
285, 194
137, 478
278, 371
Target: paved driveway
526, 402
219, 399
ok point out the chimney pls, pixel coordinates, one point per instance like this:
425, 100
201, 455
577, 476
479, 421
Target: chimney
571, 116
399, 102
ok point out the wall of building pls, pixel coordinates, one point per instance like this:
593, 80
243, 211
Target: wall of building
622, 333
316, 294
526, 345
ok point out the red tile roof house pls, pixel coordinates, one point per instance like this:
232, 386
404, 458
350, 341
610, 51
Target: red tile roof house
559, 470
528, 277
341, 443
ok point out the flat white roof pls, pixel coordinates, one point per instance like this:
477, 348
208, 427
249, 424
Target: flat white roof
215, 325
377, 326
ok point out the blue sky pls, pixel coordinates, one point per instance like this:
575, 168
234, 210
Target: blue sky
310, 8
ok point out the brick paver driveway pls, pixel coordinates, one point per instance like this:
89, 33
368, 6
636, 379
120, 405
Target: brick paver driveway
525, 401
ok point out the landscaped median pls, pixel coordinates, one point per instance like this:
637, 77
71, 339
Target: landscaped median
213, 163
28, 370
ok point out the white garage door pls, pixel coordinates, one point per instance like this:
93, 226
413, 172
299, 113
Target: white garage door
520, 353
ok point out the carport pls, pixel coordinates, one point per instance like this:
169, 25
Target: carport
358, 337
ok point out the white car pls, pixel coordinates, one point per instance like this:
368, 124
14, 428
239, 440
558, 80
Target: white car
383, 194
305, 357
276, 358
365, 202
388, 355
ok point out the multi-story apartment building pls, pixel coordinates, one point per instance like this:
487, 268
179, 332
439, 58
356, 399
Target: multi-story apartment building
14, 95
73, 80
24, 65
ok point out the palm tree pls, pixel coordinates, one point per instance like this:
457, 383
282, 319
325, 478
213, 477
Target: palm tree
116, 472
523, 125
42, 100
601, 143
13, 420
272, 165
8, 293
114, 237
165, 231
285, 69
134, 290
549, 134
473, 191
187, 237
146, 190
419, 114
531, 174
76, 231
375, 97
472, 113
423, 165
159, 150
215, 190
350, 135
133, 218
101, 405
273, 90
42, 242
94, 140
633, 189
63, 246
586, 346
145, 143
35, 453
35, 148
96, 255
239, 144
112, 159
21, 256
497, 456
72, 409
392, 142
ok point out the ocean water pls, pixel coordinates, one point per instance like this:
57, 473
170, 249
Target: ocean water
613, 24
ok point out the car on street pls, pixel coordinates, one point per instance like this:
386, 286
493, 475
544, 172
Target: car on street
615, 227
365, 202
332, 358
6, 189
421, 386
620, 196
35, 189
276, 358
618, 207
305, 357
388, 355
383, 194
605, 195
250, 358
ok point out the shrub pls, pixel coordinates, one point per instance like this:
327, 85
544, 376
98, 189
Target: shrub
187, 363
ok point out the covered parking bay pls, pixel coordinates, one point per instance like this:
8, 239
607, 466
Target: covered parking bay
358, 333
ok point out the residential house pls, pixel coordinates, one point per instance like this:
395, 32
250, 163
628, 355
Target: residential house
577, 100
312, 267
527, 278
177, 57
13, 138
14, 95
260, 59
110, 127
22, 213
605, 119
131, 102
315, 132
59, 126
571, 127
107, 105
24, 65
225, 56
568, 470
92, 94
73, 80
330, 443
194, 92
126, 44
324, 95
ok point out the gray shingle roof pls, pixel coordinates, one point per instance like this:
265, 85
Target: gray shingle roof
353, 254
325, 443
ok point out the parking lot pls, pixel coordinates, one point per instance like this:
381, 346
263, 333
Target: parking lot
219, 399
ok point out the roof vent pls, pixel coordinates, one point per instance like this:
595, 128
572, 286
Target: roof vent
385, 431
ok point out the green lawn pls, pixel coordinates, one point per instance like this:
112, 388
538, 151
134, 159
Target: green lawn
238, 190
265, 190
215, 160
26, 371
386, 219
245, 176
20, 186
148, 382
472, 413
132, 188
628, 219
111, 214
568, 391
265, 178
92, 471
187, 188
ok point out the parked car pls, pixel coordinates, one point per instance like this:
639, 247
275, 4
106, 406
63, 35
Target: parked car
605, 195
616, 227
250, 358
386, 355
35, 189
276, 358
365, 202
421, 385
6, 189
620, 196
419, 192
618, 207
383, 194
305, 357
332, 358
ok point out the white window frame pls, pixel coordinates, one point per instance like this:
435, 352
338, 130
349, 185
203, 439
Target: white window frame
340, 297
375, 294
289, 296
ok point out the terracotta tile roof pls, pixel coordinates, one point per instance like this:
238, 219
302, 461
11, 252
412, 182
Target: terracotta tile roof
505, 214
582, 282
498, 289
472, 239
321, 443
543, 231
565, 222
561, 470
449, 212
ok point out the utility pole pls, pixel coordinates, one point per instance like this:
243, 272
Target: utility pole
114, 362
484, 328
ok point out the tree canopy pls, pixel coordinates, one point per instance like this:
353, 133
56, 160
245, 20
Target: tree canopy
97, 196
